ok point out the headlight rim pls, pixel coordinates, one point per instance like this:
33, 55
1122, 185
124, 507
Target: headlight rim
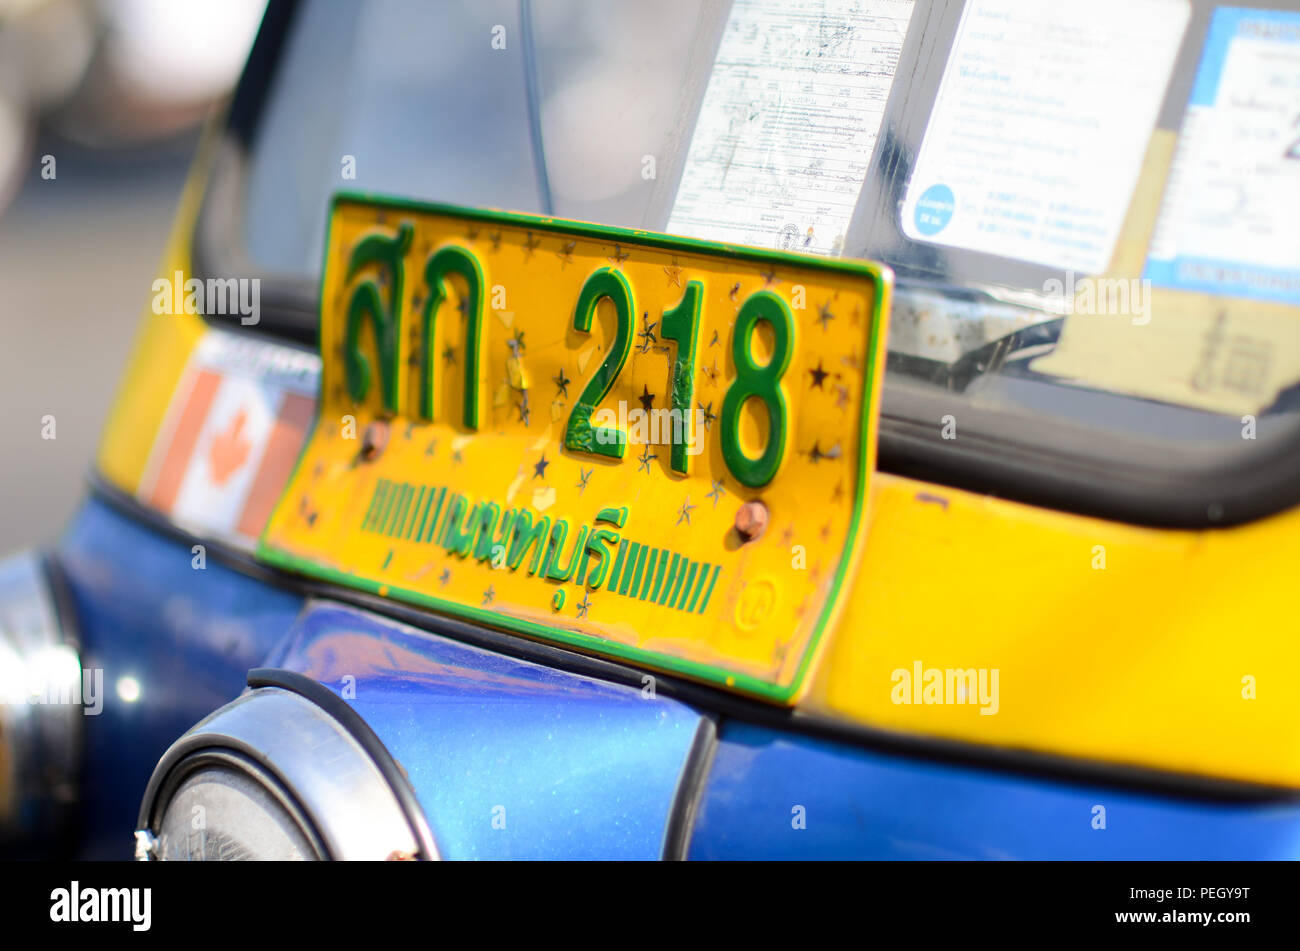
43, 750
329, 801
204, 756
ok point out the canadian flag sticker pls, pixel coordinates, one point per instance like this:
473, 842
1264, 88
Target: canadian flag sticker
232, 434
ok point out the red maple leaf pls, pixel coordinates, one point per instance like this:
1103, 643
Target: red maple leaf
229, 450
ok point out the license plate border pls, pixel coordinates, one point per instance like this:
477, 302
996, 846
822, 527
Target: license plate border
881, 278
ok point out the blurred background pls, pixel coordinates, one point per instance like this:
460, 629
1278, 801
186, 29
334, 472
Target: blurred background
101, 102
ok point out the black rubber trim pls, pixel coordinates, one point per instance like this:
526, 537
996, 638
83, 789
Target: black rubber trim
289, 309
1114, 476
1045, 767
259, 70
690, 791
69, 818
65, 611
360, 730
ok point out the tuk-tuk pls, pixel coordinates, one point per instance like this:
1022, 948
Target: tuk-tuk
700, 429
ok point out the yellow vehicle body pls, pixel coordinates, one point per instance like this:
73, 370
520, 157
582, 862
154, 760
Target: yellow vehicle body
1158, 649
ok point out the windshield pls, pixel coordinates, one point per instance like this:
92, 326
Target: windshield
1092, 207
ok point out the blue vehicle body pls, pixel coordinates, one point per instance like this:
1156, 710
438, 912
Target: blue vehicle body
862, 804
186, 637
510, 758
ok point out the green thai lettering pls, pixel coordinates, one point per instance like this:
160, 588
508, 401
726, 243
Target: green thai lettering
598, 543
483, 529
554, 568
367, 304
528, 535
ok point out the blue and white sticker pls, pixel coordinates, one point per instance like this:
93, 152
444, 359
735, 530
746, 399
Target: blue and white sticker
934, 209
1230, 221
1040, 126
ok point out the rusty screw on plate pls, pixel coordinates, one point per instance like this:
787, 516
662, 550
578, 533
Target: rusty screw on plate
751, 520
374, 440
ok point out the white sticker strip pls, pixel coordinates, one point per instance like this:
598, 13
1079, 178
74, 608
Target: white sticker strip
789, 121
1042, 120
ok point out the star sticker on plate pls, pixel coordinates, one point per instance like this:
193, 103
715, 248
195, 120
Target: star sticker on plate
815, 454
539, 467
712, 372
583, 476
488, 596
674, 274
819, 375
770, 279
647, 457
517, 342
565, 254
448, 356
530, 244
561, 384
824, 315
444, 577
707, 415
495, 238
684, 513
471, 234
647, 335
647, 398
619, 256
735, 289
716, 492
584, 605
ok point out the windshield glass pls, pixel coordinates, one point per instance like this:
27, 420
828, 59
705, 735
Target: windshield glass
1092, 207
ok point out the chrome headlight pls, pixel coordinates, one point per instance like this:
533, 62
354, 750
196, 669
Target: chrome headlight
273, 775
40, 707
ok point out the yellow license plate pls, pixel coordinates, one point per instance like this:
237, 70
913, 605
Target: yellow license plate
641, 446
